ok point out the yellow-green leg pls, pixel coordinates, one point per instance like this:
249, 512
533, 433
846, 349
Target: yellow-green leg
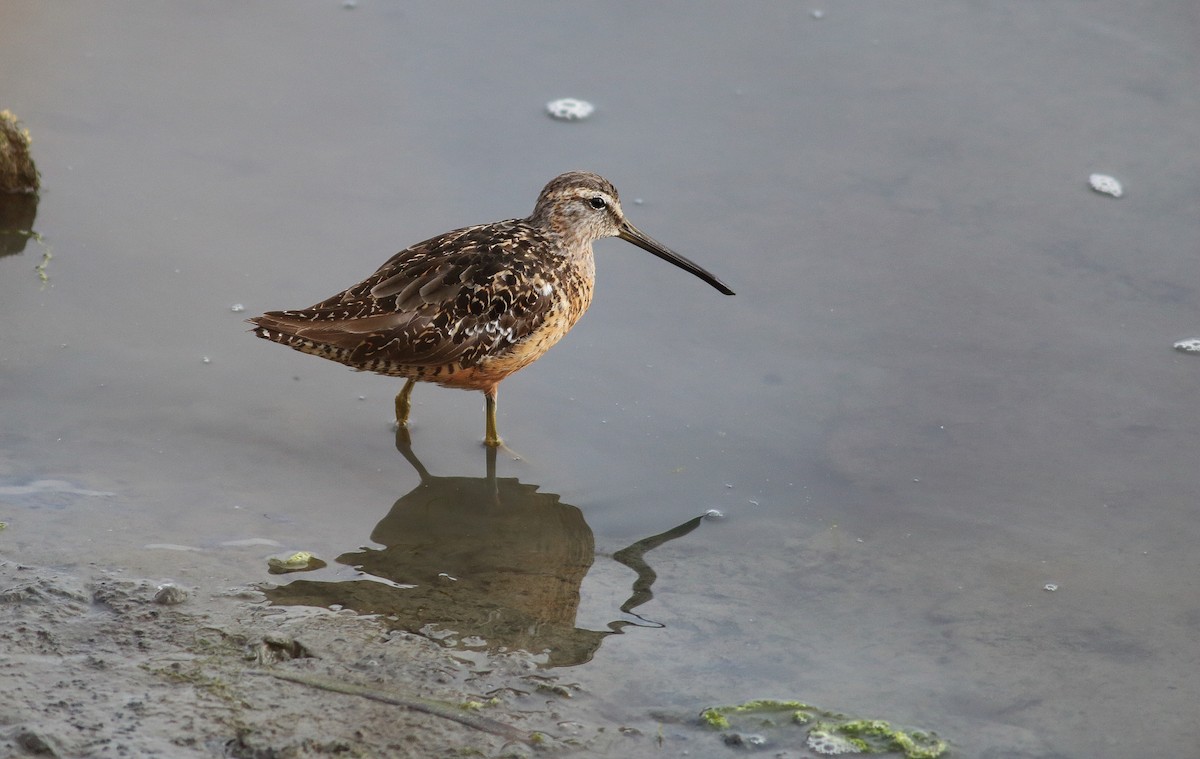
404, 403
491, 438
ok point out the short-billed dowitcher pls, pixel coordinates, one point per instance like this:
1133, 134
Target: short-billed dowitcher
467, 308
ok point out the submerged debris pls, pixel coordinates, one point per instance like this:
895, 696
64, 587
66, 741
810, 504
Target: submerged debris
1106, 185
48, 486
416, 703
46, 256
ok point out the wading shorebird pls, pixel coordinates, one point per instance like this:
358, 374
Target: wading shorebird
467, 308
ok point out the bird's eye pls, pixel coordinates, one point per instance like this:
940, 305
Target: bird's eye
597, 203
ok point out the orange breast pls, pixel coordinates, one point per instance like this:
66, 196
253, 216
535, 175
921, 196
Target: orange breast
490, 370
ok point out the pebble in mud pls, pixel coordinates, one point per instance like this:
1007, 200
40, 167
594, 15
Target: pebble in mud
744, 740
275, 648
37, 743
170, 594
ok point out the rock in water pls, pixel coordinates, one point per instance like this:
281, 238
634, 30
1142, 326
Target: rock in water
17, 172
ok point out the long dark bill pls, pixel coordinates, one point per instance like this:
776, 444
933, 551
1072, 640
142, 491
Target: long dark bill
630, 233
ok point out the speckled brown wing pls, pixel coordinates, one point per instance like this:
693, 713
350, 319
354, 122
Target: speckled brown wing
451, 300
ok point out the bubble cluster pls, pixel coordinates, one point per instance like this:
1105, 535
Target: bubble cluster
825, 742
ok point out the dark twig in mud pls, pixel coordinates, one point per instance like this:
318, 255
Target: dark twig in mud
428, 706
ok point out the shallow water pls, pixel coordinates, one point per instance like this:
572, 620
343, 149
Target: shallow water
947, 379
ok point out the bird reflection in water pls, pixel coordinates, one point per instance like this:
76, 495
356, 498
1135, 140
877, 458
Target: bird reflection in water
484, 557
17, 213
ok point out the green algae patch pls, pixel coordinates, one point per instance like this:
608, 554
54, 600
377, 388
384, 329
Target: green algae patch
300, 561
715, 719
760, 712
794, 723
